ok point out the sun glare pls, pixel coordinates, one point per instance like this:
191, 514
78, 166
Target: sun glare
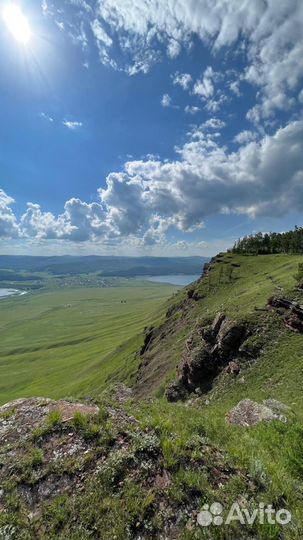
17, 23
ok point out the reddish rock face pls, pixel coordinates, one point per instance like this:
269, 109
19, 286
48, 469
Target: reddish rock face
207, 351
229, 337
291, 312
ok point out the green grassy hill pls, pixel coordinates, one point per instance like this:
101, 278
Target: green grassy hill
237, 285
150, 465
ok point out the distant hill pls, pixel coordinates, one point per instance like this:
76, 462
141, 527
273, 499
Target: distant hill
106, 265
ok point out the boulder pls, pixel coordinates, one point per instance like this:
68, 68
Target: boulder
233, 368
249, 413
277, 406
19, 417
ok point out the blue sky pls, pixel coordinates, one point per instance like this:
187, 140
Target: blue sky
132, 127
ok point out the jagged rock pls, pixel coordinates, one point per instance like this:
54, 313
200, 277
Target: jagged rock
207, 351
147, 339
278, 302
216, 325
293, 322
194, 295
249, 413
176, 391
208, 334
202, 362
291, 311
229, 337
197, 364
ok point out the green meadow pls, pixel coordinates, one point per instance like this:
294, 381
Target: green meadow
61, 342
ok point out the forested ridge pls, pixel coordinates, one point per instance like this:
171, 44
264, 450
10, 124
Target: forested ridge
270, 243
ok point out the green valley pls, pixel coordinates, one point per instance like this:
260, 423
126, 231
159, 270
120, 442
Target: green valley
59, 342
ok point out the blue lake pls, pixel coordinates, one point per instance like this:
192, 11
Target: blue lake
177, 279
4, 293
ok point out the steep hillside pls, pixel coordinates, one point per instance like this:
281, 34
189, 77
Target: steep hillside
239, 288
215, 415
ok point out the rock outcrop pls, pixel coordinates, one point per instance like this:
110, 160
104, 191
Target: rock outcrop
249, 413
68, 468
291, 312
207, 352
20, 416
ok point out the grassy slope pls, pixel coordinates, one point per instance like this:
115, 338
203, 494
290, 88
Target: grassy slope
59, 343
249, 286
272, 452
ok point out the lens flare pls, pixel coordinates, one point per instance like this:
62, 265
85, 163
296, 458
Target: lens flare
17, 23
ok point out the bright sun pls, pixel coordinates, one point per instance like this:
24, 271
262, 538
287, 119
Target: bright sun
17, 23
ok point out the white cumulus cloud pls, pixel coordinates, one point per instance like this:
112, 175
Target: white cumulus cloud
261, 178
191, 109
8, 223
205, 86
166, 100
182, 79
245, 136
72, 124
267, 33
